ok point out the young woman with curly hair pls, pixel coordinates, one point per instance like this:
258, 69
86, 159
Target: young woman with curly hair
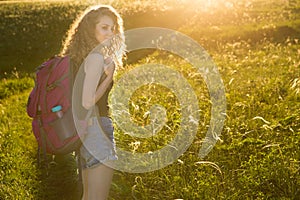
95, 44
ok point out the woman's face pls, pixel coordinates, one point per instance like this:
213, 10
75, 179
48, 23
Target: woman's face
104, 29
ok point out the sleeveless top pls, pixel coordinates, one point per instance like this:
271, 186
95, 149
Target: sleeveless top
102, 103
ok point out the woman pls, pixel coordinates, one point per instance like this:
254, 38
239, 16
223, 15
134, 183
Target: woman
95, 44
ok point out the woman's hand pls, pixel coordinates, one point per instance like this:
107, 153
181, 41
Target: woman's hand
109, 67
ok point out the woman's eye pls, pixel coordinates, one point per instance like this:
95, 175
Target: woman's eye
106, 28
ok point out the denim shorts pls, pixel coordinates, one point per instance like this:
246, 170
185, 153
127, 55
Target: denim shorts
98, 145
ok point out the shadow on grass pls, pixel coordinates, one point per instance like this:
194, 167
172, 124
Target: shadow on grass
60, 180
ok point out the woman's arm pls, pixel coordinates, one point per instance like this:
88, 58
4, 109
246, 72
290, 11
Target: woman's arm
94, 68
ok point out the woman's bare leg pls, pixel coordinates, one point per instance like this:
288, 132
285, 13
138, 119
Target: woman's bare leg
84, 173
96, 182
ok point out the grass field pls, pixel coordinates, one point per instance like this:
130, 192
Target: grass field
256, 47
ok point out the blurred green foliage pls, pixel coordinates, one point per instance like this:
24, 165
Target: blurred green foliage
33, 31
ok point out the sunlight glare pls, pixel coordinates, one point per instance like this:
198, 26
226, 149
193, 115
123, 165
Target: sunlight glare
211, 4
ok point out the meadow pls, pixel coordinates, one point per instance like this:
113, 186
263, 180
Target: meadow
256, 47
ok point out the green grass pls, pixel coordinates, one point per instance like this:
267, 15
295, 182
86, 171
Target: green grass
258, 59
18, 172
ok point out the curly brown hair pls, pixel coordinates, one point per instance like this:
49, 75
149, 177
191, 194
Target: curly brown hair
81, 40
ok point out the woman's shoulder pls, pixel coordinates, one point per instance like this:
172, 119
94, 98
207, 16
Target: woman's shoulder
95, 55
93, 61
97, 50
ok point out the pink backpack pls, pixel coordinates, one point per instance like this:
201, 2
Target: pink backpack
49, 104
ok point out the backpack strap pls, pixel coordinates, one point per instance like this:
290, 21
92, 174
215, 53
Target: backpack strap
43, 141
80, 182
